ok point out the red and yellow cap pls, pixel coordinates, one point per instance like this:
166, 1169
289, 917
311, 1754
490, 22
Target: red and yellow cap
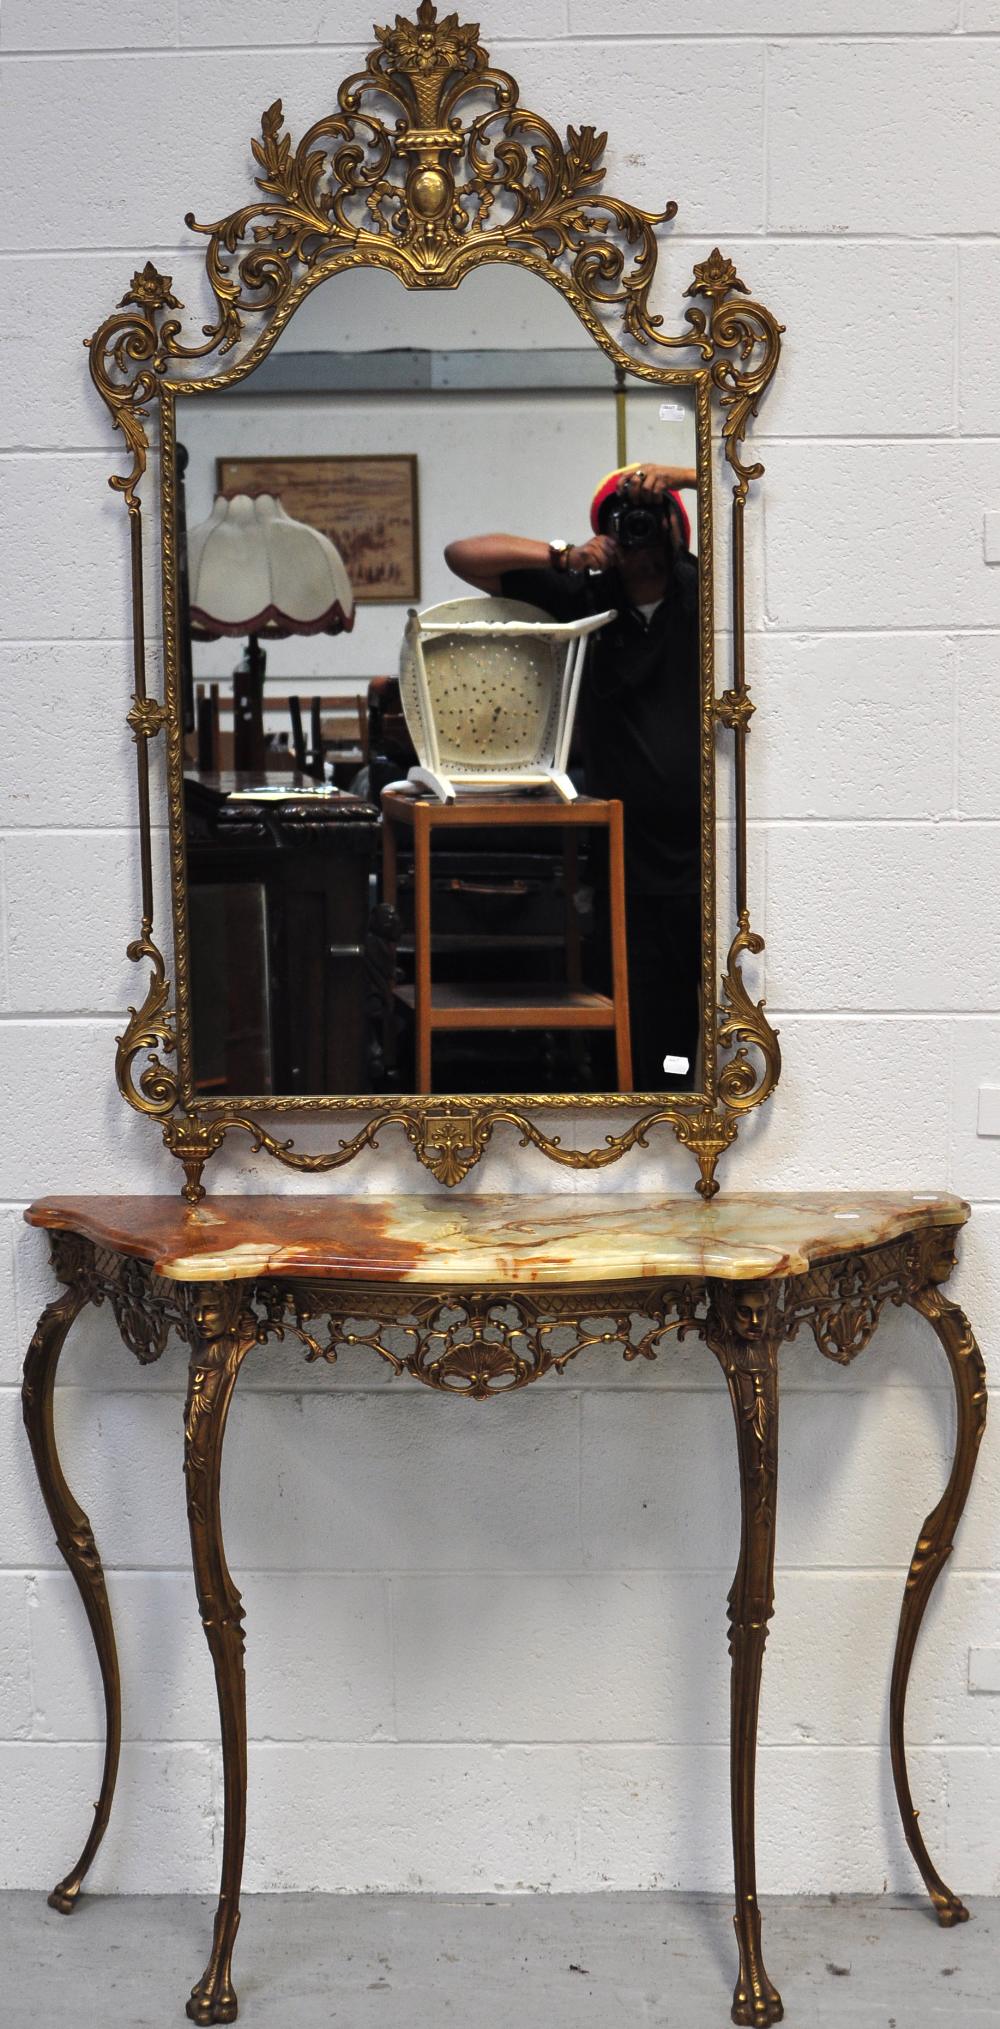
610, 485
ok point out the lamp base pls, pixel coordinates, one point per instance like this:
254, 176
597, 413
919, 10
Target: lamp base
248, 709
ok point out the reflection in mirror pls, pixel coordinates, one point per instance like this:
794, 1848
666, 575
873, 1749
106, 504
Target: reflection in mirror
442, 705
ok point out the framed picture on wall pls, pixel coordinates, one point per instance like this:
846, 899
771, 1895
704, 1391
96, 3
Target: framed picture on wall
366, 505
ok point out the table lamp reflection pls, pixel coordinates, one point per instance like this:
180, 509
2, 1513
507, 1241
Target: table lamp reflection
254, 573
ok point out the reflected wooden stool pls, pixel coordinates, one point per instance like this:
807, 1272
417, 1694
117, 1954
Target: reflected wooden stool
439, 1005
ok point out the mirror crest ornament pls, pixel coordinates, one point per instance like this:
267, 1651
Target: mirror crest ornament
430, 198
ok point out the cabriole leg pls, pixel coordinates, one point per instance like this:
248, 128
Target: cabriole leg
73, 1261
934, 1547
223, 1330
742, 1332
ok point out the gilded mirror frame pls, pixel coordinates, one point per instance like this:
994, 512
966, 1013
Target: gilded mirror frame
419, 200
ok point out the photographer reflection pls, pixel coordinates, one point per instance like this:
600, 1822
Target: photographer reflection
640, 724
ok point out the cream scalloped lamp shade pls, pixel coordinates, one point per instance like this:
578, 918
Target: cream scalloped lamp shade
253, 570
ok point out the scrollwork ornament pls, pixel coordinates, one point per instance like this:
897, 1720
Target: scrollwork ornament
74, 1263
746, 329
146, 1308
933, 1256
448, 1139
398, 198
355, 190
128, 358
480, 1343
150, 1028
145, 1315
841, 1301
743, 1024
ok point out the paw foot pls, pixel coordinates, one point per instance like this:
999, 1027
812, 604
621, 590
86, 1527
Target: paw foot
951, 1912
64, 1897
757, 2008
213, 2001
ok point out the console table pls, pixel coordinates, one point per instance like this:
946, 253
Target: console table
489, 1295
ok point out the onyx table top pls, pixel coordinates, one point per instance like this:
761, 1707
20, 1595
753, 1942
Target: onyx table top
491, 1241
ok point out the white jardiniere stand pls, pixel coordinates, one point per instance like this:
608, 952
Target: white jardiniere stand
490, 689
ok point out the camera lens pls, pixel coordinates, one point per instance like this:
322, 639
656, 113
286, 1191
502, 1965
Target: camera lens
639, 526
632, 526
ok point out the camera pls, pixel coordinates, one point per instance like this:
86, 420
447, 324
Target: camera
632, 526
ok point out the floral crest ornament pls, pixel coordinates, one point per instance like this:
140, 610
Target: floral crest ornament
716, 278
424, 52
428, 166
149, 290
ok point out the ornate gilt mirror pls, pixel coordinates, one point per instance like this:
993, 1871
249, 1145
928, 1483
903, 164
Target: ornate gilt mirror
443, 722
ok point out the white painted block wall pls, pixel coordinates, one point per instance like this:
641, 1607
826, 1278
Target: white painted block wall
487, 1645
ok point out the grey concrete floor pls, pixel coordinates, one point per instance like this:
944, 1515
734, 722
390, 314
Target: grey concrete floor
521, 1962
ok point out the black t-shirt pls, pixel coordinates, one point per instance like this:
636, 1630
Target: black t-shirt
639, 714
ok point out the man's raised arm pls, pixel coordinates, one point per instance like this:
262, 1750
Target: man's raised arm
482, 560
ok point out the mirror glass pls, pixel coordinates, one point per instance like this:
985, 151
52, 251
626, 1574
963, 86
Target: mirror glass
373, 583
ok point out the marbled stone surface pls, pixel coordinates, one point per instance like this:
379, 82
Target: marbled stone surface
464, 1242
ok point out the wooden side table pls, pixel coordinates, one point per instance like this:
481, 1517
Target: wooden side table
483, 1290
437, 1005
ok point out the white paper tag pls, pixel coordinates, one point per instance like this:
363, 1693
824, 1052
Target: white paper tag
672, 412
676, 1066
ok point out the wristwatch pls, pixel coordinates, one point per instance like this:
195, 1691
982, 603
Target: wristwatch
559, 552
